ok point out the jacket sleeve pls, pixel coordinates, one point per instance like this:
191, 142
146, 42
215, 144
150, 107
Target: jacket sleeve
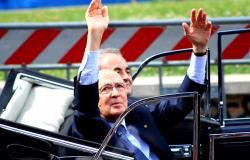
86, 112
86, 98
169, 112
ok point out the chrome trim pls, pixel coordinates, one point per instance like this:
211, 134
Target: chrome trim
38, 79
65, 143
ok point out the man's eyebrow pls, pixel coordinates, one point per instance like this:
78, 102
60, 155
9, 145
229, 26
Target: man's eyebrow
110, 84
105, 84
117, 69
128, 68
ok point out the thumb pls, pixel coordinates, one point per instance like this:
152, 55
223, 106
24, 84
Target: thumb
185, 27
105, 11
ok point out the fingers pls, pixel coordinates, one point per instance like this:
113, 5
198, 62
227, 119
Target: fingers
92, 5
200, 19
204, 18
94, 8
200, 15
98, 3
193, 16
104, 11
185, 28
209, 26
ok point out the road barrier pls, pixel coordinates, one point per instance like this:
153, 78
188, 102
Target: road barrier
61, 43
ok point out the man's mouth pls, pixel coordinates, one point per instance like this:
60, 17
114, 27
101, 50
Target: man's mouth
115, 103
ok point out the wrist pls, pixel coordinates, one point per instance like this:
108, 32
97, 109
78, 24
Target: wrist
93, 41
199, 54
199, 48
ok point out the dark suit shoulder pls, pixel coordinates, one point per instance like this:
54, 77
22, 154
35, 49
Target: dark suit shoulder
86, 97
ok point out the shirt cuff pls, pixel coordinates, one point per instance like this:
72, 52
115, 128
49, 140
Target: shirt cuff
196, 69
89, 68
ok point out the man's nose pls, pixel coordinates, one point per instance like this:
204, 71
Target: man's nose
126, 77
115, 91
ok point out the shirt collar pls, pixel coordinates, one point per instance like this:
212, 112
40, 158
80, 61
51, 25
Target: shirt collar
123, 123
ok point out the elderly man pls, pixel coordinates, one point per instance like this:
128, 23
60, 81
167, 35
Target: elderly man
101, 96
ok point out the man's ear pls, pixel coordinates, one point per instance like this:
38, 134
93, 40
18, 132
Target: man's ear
99, 105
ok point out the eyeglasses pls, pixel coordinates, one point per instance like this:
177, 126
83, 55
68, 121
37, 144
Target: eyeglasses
108, 88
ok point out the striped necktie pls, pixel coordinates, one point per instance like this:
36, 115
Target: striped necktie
121, 132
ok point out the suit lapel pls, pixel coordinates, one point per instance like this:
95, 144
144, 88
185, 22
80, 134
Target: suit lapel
140, 120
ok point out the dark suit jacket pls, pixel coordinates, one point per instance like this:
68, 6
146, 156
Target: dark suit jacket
148, 122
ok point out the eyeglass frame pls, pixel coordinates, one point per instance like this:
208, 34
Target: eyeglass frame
108, 88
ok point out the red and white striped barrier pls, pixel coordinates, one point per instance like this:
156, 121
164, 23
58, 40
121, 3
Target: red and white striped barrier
63, 45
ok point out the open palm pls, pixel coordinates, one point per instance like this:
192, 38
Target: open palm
97, 16
199, 30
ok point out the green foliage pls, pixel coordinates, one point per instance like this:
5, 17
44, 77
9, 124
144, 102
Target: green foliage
234, 69
182, 70
60, 73
166, 70
1, 75
157, 9
162, 9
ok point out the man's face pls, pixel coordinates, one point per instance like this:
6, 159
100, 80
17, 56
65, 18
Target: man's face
117, 63
112, 95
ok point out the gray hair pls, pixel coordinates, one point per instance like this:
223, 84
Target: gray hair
110, 50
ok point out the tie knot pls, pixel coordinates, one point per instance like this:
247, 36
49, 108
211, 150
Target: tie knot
121, 130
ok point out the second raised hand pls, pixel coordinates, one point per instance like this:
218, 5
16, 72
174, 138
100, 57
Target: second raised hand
199, 30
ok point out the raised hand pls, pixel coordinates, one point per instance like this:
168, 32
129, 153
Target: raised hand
199, 30
97, 20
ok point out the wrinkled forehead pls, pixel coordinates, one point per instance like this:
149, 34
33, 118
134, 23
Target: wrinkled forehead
109, 77
112, 61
